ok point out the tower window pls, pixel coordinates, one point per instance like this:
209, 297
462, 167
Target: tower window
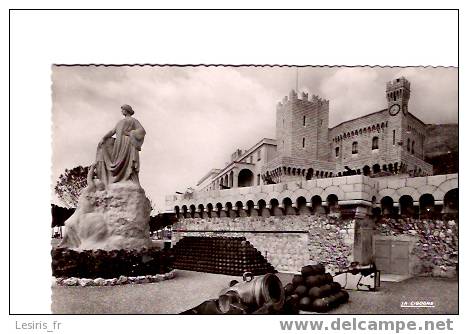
321, 122
304, 121
337, 151
303, 142
408, 145
375, 143
354, 148
412, 147
393, 137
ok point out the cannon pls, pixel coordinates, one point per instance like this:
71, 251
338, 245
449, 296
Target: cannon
255, 295
359, 277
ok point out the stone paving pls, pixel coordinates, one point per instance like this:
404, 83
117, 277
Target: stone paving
189, 289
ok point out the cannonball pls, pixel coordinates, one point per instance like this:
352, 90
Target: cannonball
305, 303
291, 304
320, 305
314, 292
300, 290
313, 280
307, 270
345, 296
335, 287
327, 278
319, 269
288, 289
334, 300
297, 280
325, 290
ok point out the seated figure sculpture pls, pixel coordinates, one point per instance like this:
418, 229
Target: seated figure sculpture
113, 211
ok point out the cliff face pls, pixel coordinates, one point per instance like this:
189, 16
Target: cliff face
441, 147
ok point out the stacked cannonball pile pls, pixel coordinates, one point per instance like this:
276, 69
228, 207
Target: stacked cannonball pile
314, 291
221, 255
110, 264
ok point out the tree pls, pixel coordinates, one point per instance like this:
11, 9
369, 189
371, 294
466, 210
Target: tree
70, 184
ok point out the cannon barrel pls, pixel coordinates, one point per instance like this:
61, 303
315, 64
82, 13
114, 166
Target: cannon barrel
254, 292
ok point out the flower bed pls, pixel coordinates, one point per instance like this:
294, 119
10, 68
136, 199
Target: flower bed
75, 281
93, 264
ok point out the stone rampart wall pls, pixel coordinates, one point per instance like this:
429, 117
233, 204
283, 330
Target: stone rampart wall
288, 242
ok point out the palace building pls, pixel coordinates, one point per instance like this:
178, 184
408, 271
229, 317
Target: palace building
315, 193
386, 142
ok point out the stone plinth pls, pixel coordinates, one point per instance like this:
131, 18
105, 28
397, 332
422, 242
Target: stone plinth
114, 217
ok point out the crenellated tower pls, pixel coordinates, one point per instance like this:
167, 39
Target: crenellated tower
398, 94
302, 127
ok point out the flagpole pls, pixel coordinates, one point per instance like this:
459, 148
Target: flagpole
297, 80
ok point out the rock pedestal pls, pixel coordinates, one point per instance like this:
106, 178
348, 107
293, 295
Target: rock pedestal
112, 217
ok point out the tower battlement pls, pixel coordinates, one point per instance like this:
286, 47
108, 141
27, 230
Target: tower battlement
400, 82
293, 96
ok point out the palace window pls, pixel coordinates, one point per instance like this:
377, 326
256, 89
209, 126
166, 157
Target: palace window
258, 179
412, 147
375, 143
337, 151
354, 148
259, 156
393, 137
304, 121
251, 159
303, 142
408, 145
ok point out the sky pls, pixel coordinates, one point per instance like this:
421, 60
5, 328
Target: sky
195, 117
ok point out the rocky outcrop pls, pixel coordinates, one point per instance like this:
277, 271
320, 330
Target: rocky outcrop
112, 217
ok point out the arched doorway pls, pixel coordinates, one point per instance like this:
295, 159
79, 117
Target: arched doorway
250, 209
317, 207
406, 206
201, 211
220, 211
332, 201
451, 201
275, 209
209, 208
240, 209
426, 206
366, 170
177, 211
386, 204
302, 208
376, 168
193, 214
185, 213
230, 212
262, 209
288, 209
245, 178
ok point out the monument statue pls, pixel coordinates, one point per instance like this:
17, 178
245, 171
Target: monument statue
117, 159
113, 211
